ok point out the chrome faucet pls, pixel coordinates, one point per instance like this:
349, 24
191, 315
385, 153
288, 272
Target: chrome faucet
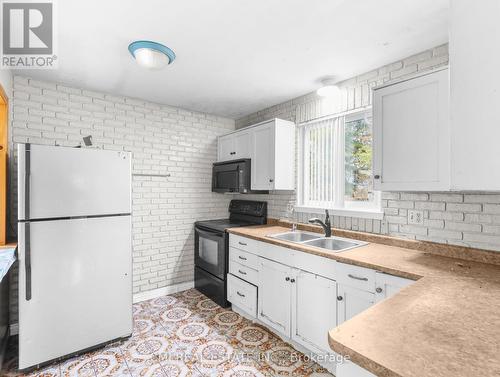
326, 225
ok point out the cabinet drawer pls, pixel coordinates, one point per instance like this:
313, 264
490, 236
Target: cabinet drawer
242, 294
242, 243
356, 277
315, 264
244, 258
243, 272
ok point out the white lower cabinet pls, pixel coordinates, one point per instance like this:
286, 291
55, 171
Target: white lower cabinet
388, 285
303, 296
352, 301
242, 294
275, 295
314, 310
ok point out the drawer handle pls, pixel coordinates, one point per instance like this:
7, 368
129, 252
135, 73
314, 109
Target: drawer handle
240, 294
242, 243
378, 290
340, 298
242, 258
357, 277
287, 279
242, 272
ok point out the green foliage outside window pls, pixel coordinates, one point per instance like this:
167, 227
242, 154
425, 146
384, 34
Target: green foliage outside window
358, 160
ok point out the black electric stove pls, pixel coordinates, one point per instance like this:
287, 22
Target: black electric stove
212, 246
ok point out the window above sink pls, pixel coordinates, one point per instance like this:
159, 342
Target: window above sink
335, 166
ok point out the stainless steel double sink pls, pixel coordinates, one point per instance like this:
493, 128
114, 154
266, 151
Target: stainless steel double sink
333, 244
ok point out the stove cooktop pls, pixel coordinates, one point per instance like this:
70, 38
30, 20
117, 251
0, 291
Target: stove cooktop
221, 224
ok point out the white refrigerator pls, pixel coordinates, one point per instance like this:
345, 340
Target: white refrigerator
75, 254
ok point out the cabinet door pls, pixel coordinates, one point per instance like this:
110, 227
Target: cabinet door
352, 301
313, 296
243, 144
411, 136
225, 148
274, 295
263, 157
388, 285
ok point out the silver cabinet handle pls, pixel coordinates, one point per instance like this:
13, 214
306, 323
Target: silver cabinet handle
378, 290
242, 258
242, 243
242, 272
357, 277
240, 294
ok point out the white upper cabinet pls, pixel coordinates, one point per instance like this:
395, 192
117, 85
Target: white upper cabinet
243, 144
417, 144
263, 157
411, 134
271, 147
234, 146
475, 94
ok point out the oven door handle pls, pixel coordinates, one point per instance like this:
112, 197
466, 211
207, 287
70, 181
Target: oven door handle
208, 234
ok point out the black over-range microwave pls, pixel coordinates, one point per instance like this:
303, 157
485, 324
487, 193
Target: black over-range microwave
233, 176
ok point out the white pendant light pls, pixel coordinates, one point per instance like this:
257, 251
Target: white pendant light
151, 55
329, 89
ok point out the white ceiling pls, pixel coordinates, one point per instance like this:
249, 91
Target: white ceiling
235, 57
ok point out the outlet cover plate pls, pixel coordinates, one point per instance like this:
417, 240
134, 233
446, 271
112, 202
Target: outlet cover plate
415, 217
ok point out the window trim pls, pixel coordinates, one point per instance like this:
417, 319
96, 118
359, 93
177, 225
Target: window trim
339, 207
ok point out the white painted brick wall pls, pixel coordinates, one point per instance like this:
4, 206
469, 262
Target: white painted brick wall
162, 139
467, 219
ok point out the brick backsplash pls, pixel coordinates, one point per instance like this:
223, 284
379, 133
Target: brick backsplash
466, 219
163, 140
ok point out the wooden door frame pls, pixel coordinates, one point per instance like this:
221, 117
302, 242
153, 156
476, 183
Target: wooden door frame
4, 129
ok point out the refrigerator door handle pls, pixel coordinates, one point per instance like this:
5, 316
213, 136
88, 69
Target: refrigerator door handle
27, 236
27, 182
27, 259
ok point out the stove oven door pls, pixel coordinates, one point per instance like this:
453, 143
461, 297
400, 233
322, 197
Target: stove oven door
210, 251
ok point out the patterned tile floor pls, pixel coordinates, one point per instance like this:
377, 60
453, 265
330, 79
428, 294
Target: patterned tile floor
185, 335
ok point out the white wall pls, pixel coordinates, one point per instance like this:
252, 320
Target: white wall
465, 219
162, 139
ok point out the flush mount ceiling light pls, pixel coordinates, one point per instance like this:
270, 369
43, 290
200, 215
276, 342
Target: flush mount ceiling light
329, 89
151, 55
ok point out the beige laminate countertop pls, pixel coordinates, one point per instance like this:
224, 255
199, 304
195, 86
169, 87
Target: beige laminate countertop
447, 324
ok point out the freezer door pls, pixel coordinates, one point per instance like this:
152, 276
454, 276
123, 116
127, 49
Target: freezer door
58, 182
80, 285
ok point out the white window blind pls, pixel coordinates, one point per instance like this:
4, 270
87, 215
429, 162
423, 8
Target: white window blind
323, 174
335, 157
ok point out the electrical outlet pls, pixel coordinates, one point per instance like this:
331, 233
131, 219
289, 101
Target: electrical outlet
415, 217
